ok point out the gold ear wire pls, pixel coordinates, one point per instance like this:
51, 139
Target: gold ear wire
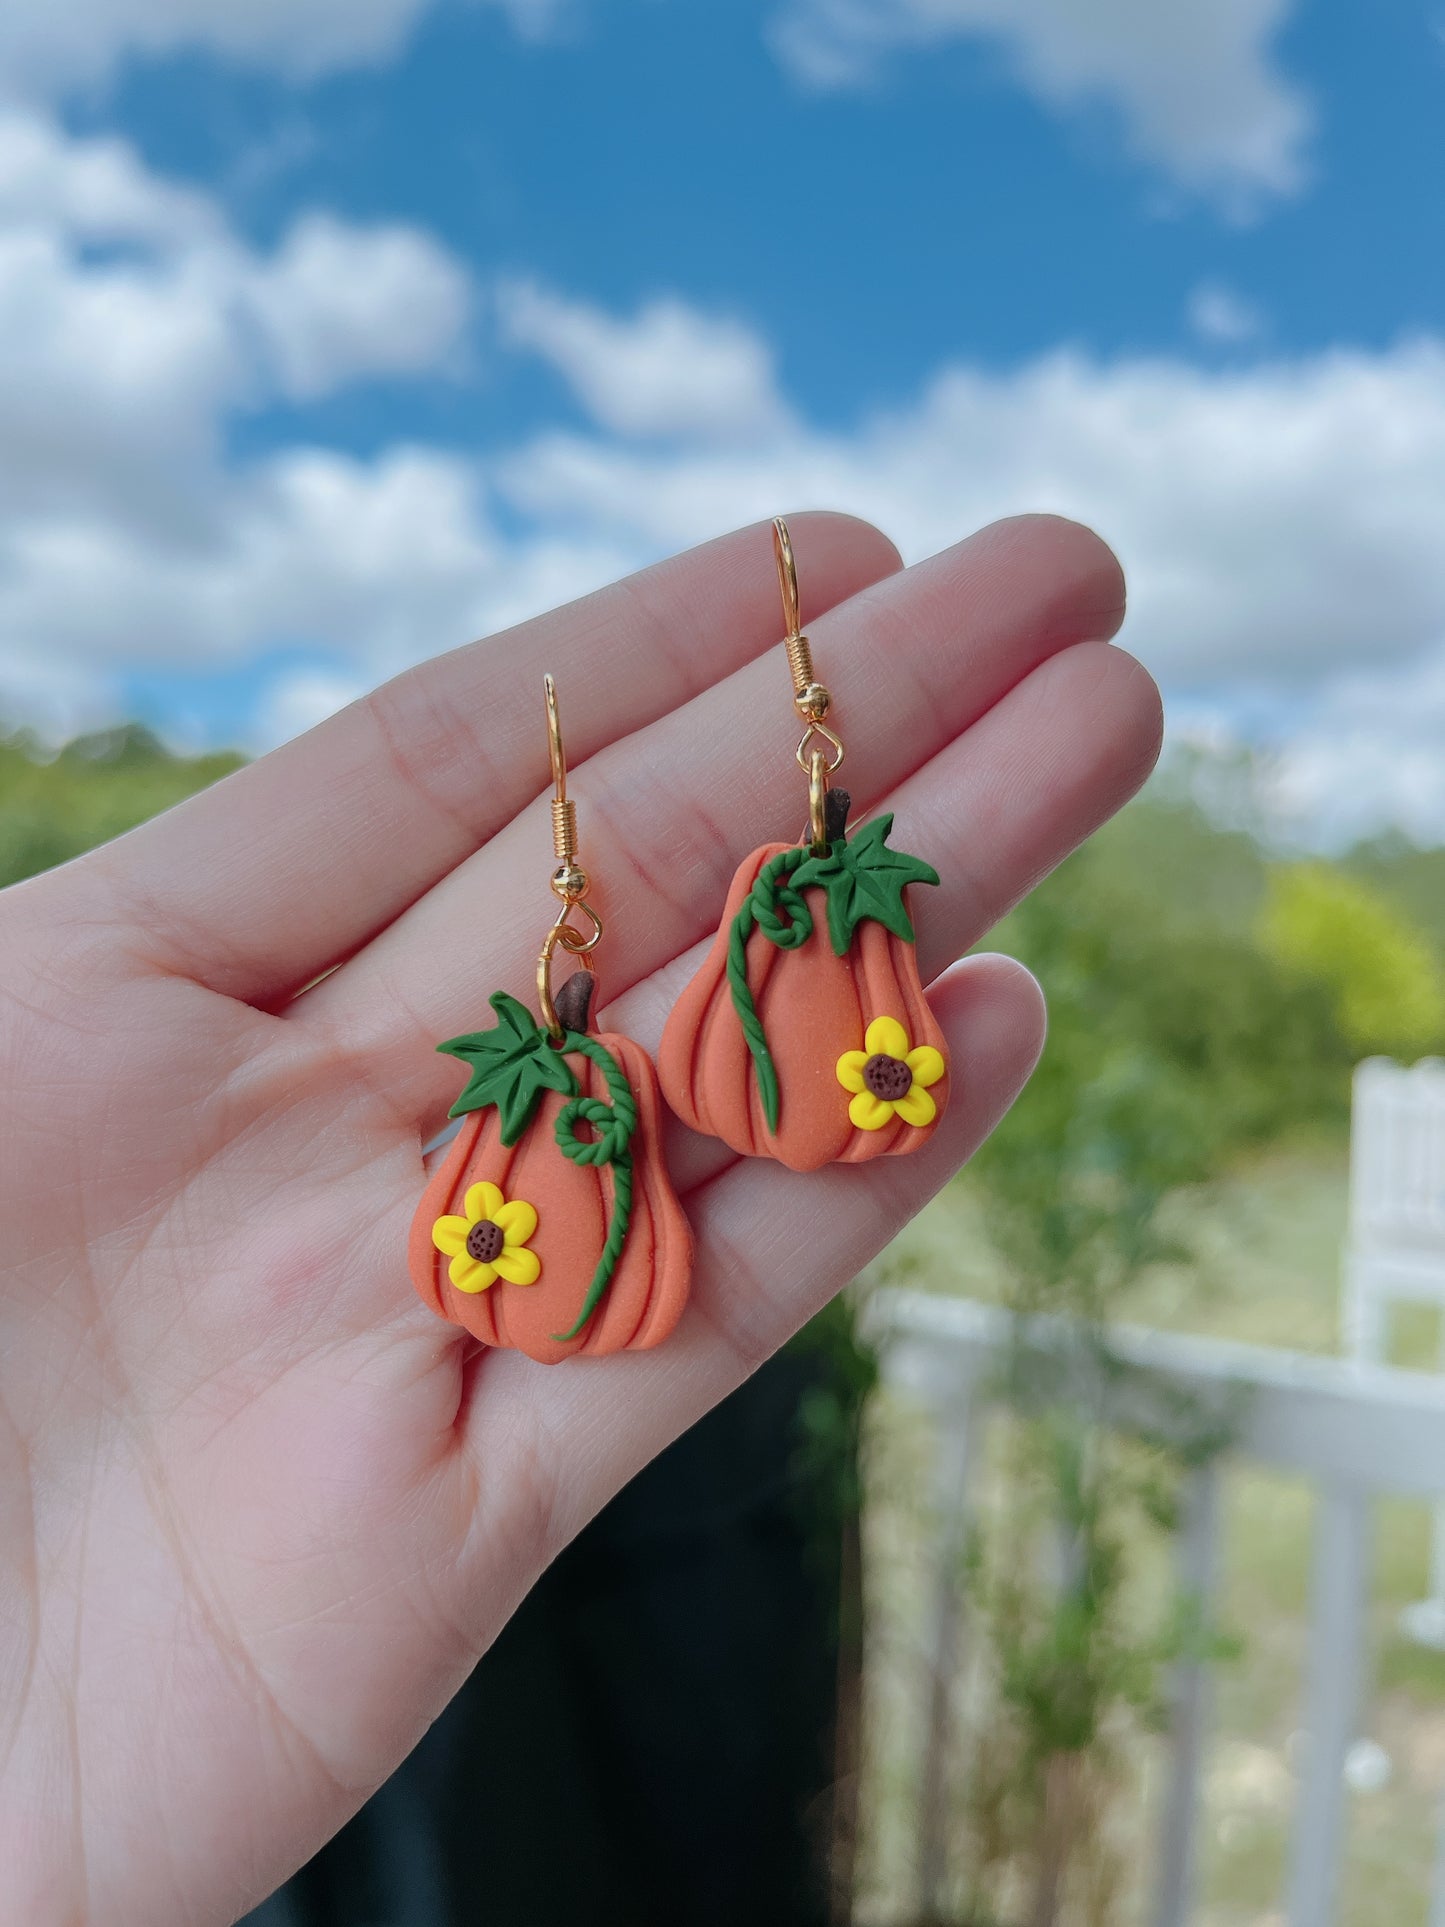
564, 812
811, 700
569, 879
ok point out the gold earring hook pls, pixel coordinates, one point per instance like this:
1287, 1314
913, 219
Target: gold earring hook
787, 578
554, 737
811, 700
564, 811
569, 879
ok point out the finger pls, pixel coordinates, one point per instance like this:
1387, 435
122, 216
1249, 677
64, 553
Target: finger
993, 812
773, 1247
669, 813
257, 886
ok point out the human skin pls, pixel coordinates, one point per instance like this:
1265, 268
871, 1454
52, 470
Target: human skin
260, 1511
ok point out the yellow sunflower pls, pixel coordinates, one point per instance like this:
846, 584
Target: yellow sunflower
888, 1079
490, 1242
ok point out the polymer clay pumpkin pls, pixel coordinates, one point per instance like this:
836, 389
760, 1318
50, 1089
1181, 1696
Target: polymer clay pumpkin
551, 1225
806, 1036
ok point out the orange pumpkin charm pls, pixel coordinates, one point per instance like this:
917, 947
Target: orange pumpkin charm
811, 1048
551, 1226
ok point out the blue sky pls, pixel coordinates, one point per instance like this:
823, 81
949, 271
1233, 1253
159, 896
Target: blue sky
333, 331
871, 232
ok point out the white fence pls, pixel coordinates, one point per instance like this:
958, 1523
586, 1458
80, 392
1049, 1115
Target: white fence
1357, 1433
1396, 1247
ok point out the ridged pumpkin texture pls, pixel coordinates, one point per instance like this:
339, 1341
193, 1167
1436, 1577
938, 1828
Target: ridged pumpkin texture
574, 1205
814, 1007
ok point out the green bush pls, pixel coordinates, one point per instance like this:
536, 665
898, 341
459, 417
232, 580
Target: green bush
1334, 931
53, 807
1202, 1000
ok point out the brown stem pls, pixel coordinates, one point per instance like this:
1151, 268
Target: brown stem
836, 805
574, 1000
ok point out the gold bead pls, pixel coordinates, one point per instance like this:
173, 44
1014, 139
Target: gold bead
812, 702
569, 882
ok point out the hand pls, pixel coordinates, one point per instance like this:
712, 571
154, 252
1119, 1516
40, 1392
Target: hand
260, 1512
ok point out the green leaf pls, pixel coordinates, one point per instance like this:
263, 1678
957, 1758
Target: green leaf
511, 1065
517, 1018
865, 879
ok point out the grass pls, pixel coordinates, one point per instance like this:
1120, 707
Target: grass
1269, 1241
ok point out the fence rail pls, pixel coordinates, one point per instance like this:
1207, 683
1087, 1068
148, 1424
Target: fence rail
1357, 1432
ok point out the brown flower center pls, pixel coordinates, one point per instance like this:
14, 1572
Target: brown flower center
484, 1241
887, 1077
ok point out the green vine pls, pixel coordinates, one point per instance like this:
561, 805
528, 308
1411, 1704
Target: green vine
780, 911
614, 1124
860, 880
511, 1065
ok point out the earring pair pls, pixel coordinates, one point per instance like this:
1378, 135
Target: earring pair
552, 1226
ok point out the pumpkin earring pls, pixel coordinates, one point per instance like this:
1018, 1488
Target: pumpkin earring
796, 1045
552, 1226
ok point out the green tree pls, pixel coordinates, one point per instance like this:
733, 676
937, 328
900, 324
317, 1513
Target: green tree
1175, 1040
53, 806
1326, 927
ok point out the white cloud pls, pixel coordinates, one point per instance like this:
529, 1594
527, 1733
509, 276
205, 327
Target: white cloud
1220, 316
338, 302
1365, 757
371, 564
119, 364
301, 698
1359, 759
1196, 87
1280, 520
104, 370
95, 190
133, 325
309, 546
48, 49
1279, 523
668, 371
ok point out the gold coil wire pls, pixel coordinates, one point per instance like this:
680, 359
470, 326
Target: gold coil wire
800, 661
569, 879
564, 829
810, 698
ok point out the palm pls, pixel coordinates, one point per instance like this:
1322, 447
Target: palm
259, 1511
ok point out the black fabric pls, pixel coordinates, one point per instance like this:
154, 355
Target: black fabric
650, 1741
